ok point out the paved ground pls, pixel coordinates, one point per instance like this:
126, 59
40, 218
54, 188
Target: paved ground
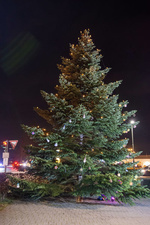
71, 213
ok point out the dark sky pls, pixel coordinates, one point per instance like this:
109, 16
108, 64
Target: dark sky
121, 31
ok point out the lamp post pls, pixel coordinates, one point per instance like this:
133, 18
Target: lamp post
132, 125
5, 154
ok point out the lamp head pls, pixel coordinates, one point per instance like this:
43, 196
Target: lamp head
132, 122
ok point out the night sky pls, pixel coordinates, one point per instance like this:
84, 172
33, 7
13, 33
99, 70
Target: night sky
35, 34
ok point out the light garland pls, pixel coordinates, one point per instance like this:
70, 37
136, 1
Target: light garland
57, 159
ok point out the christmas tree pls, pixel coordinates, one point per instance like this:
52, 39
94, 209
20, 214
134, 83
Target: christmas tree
82, 153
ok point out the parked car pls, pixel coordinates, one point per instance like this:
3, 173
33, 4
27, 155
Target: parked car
21, 166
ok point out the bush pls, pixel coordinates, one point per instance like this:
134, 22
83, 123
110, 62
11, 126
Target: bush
3, 186
32, 187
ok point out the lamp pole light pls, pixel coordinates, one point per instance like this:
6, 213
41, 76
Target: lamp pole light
132, 125
5, 155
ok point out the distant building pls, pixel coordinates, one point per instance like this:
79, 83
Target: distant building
143, 160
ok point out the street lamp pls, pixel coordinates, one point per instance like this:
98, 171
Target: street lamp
132, 126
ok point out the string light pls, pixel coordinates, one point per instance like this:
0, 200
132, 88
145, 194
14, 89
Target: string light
84, 160
57, 159
136, 177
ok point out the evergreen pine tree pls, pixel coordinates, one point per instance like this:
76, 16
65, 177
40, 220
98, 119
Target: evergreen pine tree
82, 153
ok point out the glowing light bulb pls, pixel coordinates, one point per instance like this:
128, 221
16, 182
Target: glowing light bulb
84, 160
57, 159
132, 122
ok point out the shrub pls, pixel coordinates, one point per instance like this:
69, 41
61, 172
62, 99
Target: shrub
3, 186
